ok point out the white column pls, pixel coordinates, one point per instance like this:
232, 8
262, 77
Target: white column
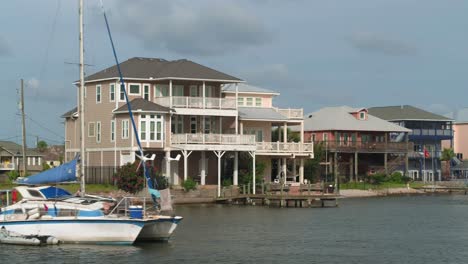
284, 168
241, 128
204, 95
253, 172
301, 171
219, 176
203, 168
302, 132
235, 175
285, 132
185, 165
170, 93
168, 164
237, 107
294, 167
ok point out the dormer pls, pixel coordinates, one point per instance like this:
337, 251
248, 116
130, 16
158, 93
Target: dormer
360, 114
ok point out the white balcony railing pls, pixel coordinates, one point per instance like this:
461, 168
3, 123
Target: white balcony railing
289, 147
197, 102
7, 166
291, 113
214, 139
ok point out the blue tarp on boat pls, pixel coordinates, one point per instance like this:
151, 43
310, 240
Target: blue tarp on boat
62, 173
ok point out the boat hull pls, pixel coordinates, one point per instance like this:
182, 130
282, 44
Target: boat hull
87, 231
160, 229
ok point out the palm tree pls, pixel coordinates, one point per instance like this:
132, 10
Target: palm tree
447, 155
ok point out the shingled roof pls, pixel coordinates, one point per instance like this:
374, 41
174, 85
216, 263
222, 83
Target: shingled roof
405, 112
246, 88
154, 68
16, 149
70, 113
143, 105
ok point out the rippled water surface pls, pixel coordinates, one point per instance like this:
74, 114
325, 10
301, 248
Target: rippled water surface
417, 229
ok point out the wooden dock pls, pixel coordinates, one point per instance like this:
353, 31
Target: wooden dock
283, 200
443, 189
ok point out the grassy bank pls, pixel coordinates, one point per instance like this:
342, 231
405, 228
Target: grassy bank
384, 185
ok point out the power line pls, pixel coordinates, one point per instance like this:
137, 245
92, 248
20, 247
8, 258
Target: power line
46, 128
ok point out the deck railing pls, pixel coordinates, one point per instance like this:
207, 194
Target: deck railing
359, 146
431, 132
7, 166
291, 113
197, 102
214, 139
280, 147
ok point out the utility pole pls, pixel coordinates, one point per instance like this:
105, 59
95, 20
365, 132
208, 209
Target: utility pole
81, 107
24, 129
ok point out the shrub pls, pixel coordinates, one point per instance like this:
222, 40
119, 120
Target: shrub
377, 178
396, 177
189, 184
12, 175
45, 166
129, 179
227, 182
161, 182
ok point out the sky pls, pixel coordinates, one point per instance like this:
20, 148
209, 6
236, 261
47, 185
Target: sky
316, 53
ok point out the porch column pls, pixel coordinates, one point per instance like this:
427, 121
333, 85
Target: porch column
168, 164
301, 171
285, 132
294, 168
237, 107
203, 168
407, 155
186, 154
356, 167
335, 171
170, 93
235, 175
219, 154
351, 173
204, 95
252, 154
284, 168
386, 163
302, 132
241, 128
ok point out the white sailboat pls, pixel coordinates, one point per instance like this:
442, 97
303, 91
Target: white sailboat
51, 211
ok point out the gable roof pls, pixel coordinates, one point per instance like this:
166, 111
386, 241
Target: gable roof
70, 113
246, 88
154, 68
259, 113
16, 149
341, 119
405, 112
138, 104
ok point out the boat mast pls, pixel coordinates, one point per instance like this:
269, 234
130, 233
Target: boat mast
81, 111
23, 129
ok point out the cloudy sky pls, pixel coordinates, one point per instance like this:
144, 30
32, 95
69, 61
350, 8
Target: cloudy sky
316, 53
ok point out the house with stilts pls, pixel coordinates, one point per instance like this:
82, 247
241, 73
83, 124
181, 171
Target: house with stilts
187, 110
356, 143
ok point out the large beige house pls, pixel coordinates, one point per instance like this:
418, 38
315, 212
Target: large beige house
185, 108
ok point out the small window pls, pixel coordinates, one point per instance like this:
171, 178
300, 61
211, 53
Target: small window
249, 101
125, 131
193, 125
91, 129
325, 137
98, 132
134, 89
98, 93
146, 94
112, 92
240, 101
313, 137
362, 115
161, 90
35, 193
258, 102
112, 129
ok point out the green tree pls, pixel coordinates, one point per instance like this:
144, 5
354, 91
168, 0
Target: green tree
292, 135
312, 167
42, 146
447, 155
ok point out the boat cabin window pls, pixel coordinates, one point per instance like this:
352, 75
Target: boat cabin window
35, 193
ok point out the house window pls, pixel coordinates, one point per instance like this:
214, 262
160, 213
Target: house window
98, 132
325, 137
258, 132
146, 94
194, 91
151, 128
362, 115
122, 92
134, 89
161, 90
240, 101
112, 92
177, 124
125, 130
209, 91
193, 125
249, 101
258, 102
98, 93
313, 137
112, 130
91, 129
207, 128
178, 90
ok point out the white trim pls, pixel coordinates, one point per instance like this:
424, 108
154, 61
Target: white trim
98, 87
134, 84
240, 92
162, 79
103, 149
404, 119
140, 111
110, 92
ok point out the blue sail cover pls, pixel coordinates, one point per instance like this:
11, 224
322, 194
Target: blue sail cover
63, 173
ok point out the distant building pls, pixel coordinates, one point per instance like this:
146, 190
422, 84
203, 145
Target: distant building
54, 155
357, 143
11, 158
428, 130
460, 142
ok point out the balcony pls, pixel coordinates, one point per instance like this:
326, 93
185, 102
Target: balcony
214, 142
291, 113
272, 148
197, 102
368, 147
432, 132
7, 166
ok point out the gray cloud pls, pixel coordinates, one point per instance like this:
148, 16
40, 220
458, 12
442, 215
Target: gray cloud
190, 27
370, 42
5, 49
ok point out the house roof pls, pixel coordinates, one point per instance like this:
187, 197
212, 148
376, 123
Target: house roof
341, 119
16, 149
138, 104
258, 113
460, 116
246, 88
155, 68
405, 112
70, 113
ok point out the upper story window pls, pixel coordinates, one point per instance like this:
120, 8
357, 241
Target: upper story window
146, 92
98, 93
177, 90
177, 124
112, 131
258, 102
98, 132
325, 137
240, 101
194, 91
122, 92
249, 101
313, 137
362, 115
151, 127
209, 91
112, 92
258, 132
125, 130
193, 125
91, 129
161, 90
134, 89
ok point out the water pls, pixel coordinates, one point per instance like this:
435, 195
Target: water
417, 229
